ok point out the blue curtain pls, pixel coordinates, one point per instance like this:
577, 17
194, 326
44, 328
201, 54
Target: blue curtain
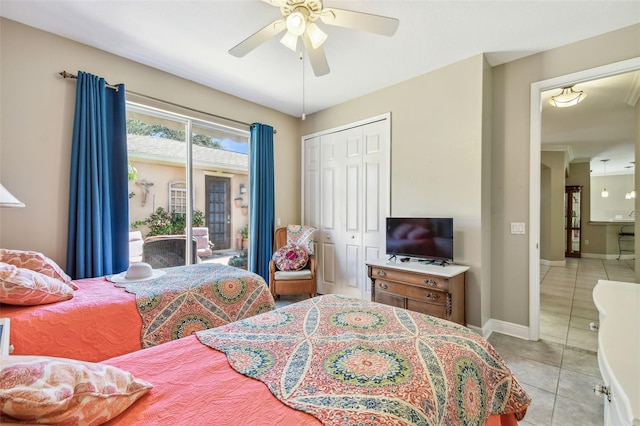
98, 233
262, 203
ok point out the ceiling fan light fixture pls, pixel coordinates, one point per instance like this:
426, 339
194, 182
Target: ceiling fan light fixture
567, 97
316, 35
290, 40
296, 23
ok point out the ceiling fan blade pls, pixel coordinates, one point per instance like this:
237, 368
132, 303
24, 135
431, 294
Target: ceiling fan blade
317, 58
276, 3
258, 38
377, 24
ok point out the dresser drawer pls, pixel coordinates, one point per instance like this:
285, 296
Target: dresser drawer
389, 299
435, 310
429, 281
420, 293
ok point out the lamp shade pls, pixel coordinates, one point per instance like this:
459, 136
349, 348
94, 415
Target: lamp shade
296, 23
7, 199
290, 40
316, 35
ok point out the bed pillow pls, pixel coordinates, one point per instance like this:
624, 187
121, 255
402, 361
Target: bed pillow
36, 262
19, 286
301, 235
55, 390
290, 258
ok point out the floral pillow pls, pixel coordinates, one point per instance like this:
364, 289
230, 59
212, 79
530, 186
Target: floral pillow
19, 286
303, 236
36, 262
54, 390
290, 258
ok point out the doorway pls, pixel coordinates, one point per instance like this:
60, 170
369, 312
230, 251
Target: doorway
218, 211
535, 174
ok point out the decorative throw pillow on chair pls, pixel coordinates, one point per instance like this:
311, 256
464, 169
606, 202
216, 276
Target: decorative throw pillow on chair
301, 235
290, 258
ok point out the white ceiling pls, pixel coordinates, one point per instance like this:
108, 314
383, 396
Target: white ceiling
191, 39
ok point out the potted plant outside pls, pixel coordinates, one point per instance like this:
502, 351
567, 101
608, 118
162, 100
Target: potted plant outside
245, 237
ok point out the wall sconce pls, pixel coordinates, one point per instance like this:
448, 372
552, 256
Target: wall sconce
243, 189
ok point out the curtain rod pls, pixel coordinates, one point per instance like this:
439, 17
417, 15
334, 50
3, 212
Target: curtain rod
65, 74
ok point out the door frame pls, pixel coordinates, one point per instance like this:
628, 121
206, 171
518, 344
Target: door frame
535, 147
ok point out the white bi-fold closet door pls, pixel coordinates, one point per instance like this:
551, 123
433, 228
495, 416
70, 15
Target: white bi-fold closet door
346, 198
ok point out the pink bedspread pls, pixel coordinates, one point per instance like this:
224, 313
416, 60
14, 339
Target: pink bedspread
350, 361
100, 321
104, 320
207, 391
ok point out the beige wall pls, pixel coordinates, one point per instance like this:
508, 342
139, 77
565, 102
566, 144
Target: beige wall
36, 116
436, 154
552, 241
511, 108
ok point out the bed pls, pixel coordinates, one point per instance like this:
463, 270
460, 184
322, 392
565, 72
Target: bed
327, 360
105, 319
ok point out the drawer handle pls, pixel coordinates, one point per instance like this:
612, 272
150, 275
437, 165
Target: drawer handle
383, 286
602, 390
430, 281
381, 273
433, 296
594, 326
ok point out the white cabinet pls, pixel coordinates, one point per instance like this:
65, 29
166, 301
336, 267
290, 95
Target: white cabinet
619, 350
346, 198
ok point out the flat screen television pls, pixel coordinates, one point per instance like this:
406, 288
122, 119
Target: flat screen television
421, 238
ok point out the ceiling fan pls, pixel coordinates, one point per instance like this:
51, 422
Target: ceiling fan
298, 18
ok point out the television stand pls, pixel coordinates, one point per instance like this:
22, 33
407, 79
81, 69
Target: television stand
437, 290
442, 263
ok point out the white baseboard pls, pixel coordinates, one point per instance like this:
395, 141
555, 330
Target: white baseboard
503, 327
546, 262
607, 256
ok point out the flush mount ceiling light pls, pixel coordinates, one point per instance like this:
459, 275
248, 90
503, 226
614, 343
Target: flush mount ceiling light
567, 97
605, 193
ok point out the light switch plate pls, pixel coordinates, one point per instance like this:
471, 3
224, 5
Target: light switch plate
517, 228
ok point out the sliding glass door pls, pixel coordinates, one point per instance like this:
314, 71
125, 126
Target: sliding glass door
184, 170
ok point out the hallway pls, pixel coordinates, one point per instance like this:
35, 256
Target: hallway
566, 301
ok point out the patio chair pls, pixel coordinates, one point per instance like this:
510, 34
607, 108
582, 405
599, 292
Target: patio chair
168, 250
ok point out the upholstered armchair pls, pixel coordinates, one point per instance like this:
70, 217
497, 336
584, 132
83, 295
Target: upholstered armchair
288, 253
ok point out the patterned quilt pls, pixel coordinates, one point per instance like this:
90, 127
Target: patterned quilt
197, 297
353, 362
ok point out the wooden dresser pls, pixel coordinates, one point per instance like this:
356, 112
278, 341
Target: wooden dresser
430, 289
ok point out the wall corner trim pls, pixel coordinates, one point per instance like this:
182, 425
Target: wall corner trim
503, 327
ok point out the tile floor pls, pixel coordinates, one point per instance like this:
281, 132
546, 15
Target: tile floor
560, 370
